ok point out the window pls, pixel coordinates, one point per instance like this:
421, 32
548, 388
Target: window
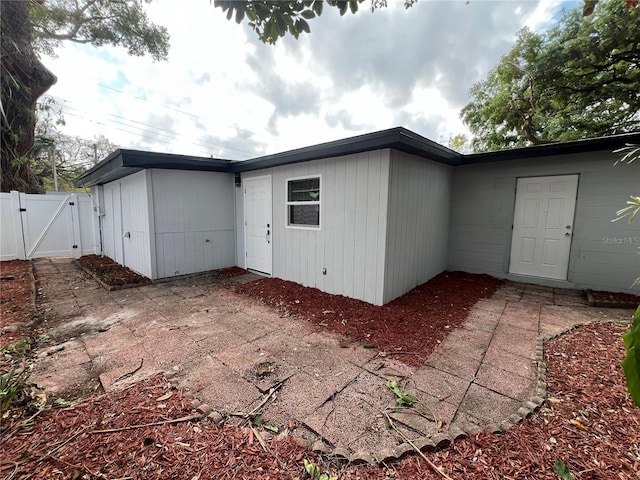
303, 202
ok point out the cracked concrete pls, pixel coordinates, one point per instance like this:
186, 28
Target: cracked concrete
228, 351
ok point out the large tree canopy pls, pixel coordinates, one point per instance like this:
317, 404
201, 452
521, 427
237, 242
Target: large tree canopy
98, 22
580, 79
42, 24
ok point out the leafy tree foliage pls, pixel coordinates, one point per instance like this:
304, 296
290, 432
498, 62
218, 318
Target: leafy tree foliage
72, 155
460, 143
29, 26
272, 19
578, 80
98, 22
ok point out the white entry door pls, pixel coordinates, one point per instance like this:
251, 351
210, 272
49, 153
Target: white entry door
543, 226
258, 223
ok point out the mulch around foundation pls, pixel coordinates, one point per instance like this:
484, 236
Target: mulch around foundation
612, 300
231, 272
111, 273
408, 328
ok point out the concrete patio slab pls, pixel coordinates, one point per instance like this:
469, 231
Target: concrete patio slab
362, 404
487, 405
300, 396
522, 366
243, 356
63, 356
457, 365
55, 384
439, 384
504, 382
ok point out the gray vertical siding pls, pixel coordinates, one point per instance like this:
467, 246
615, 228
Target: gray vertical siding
604, 255
351, 241
418, 223
194, 221
133, 217
135, 221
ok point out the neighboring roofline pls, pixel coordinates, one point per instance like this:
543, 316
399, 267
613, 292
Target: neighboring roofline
124, 162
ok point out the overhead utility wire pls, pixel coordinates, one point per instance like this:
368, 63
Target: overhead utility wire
205, 153
174, 135
163, 135
249, 132
162, 131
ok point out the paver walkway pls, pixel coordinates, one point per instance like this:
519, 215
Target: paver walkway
229, 351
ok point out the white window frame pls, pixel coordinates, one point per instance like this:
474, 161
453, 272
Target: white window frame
288, 203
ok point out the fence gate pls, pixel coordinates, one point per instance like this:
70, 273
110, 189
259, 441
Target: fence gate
36, 226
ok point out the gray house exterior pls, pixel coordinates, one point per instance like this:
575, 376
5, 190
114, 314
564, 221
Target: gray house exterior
373, 216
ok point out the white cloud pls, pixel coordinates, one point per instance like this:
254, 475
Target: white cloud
223, 93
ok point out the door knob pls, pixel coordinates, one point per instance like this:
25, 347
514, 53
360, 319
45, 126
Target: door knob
567, 234
568, 227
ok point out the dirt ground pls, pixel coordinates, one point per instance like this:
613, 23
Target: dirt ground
588, 424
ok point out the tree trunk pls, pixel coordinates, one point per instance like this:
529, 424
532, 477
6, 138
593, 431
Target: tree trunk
24, 79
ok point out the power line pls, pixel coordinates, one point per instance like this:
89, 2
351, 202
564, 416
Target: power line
205, 150
170, 134
156, 132
173, 109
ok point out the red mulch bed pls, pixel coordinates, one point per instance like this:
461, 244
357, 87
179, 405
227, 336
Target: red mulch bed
231, 271
70, 443
610, 299
16, 306
112, 273
410, 327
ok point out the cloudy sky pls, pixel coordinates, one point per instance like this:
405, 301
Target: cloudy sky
224, 94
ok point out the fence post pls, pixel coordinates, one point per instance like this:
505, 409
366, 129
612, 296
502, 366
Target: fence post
16, 218
75, 225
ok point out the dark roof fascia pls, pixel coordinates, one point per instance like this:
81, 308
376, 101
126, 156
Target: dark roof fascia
397, 138
552, 149
122, 163
110, 168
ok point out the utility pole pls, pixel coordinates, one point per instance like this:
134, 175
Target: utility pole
95, 153
52, 155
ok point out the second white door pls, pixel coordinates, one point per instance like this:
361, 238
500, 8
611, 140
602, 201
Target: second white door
543, 226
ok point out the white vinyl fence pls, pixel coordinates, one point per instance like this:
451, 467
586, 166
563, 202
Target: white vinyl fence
36, 226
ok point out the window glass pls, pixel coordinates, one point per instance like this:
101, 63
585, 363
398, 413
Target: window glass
303, 202
306, 190
304, 215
